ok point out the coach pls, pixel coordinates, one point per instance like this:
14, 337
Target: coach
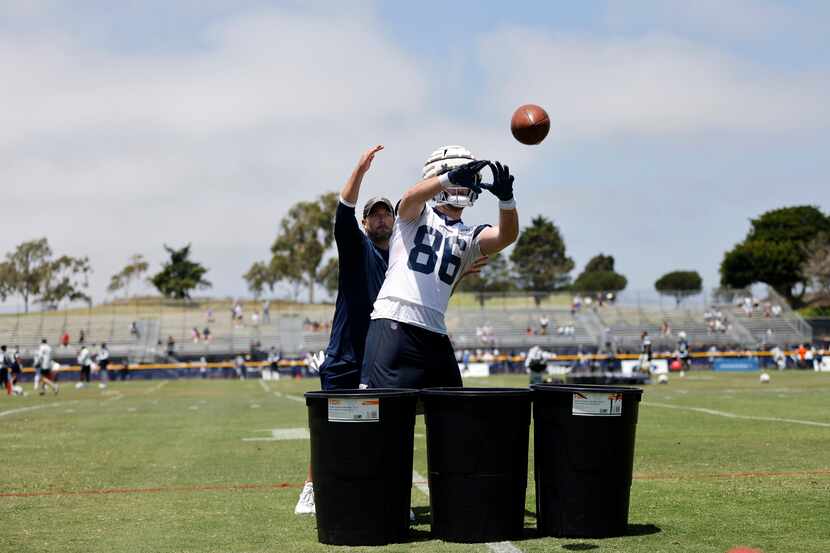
363, 259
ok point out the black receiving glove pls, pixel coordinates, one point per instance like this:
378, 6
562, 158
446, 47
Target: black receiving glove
502, 186
467, 175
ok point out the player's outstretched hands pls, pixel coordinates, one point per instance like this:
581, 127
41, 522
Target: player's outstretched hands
502, 185
366, 159
467, 175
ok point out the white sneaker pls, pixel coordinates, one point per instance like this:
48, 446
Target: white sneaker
102, 385
411, 516
305, 505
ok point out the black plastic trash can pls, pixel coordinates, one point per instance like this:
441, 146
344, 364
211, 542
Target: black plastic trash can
477, 444
583, 458
361, 464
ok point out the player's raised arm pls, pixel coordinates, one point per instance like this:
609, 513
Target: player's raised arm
495, 239
351, 189
414, 199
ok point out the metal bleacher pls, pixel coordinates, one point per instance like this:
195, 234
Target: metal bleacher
504, 323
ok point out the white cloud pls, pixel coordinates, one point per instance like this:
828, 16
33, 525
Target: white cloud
652, 85
735, 19
110, 153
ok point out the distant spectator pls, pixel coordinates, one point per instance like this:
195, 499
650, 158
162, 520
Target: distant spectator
206, 334
134, 330
195, 335
767, 310
779, 358
81, 337
713, 351
543, 325
748, 306
203, 367
487, 336
776, 310
65, 339
576, 304
274, 357
171, 347
266, 311
240, 368
683, 350
210, 318
645, 352
802, 356
255, 318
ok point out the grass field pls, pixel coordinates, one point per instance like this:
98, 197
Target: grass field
158, 466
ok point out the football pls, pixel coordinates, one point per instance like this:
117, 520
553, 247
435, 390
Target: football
530, 124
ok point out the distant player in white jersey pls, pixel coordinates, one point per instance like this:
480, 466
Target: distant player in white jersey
407, 345
43, 369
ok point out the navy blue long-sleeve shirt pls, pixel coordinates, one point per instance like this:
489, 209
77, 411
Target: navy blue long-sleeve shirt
362, 269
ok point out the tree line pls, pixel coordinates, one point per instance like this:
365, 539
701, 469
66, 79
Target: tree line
787, 248
35, 274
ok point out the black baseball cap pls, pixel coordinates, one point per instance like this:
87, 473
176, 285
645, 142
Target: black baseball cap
367, 208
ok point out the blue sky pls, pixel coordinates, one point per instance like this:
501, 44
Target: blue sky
128, 125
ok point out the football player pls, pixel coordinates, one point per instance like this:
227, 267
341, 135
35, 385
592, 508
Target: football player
407, 345
43, 369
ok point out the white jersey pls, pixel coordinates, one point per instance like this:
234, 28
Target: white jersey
427, 256
44, 356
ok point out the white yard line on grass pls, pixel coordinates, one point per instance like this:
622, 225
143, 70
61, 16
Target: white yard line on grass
289, 396
34, 408
265, 386
115, 397
156, 388
496, 547
735, 415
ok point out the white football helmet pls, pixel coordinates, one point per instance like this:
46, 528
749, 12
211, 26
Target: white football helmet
442, 160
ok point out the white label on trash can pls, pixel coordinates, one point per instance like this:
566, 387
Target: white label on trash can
597, 404
354, 410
